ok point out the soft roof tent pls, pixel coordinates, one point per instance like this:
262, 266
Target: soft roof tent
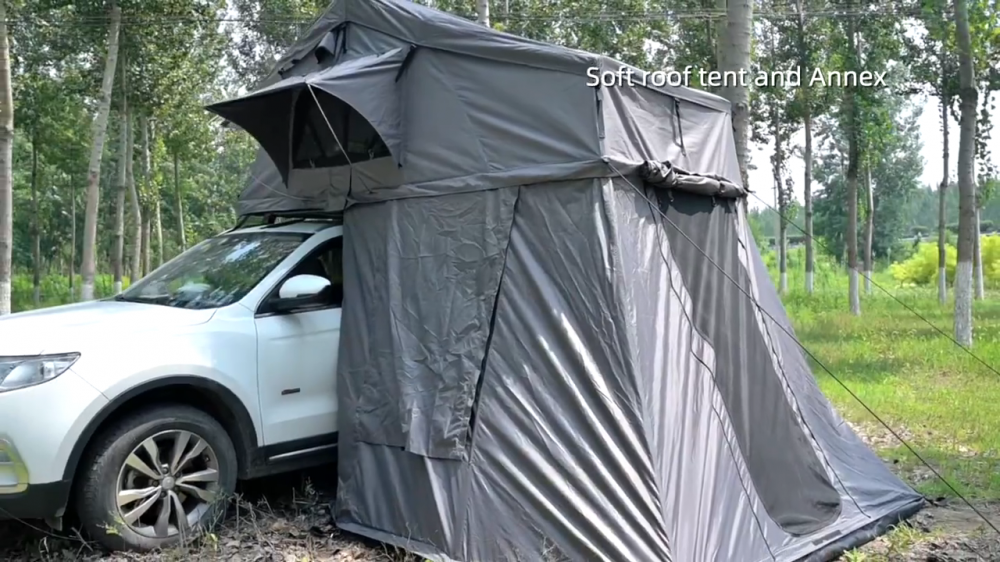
559, 339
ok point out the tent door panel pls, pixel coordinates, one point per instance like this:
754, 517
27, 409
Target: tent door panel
425, 273
787, 474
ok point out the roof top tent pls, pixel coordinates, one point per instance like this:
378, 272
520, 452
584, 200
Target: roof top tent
559, 339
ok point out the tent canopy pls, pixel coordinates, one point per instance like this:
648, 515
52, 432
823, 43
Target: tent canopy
333, 117
559, 340
475, 109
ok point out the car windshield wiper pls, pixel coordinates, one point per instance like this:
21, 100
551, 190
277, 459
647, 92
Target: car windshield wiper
159, 299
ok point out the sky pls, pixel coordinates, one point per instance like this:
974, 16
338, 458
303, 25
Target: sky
762, 183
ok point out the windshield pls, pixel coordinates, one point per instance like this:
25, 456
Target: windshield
215, 273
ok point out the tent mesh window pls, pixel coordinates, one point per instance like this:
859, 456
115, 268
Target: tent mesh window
315, 145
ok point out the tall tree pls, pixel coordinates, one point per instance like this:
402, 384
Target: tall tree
985, 20
733, 61
6, 158
146, 196
36, 229
808, 36
136, 259
93, 192
933, 62
942, 241
121, 184
772, 121
869, 223
851, 125
968, 103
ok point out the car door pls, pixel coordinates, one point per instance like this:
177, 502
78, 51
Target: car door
297, 358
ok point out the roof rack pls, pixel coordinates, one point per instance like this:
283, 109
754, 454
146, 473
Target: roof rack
282, 218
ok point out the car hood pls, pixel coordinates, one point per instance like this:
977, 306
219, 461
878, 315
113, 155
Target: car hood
64, 328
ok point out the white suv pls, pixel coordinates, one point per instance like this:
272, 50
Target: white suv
140, 412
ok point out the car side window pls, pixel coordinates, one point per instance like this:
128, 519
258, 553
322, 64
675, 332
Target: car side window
326, 261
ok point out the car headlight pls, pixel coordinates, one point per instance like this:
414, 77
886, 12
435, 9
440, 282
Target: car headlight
19, 372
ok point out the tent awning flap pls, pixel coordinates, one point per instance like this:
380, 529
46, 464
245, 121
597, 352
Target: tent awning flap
302, 119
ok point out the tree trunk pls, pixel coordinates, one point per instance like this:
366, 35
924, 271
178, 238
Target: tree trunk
147, 250
734, 63
6, 157
852, 173
124, 152
158, 231
124, 149
783, 248
966, 181
180, 204
942, 201
869, 229
977, 264
135, 261
807, 199
72, 243
777, 161
88, 267
804, 91
483, 12
36, 230
154, 222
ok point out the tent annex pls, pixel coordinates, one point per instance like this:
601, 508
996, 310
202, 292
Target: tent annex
559, 340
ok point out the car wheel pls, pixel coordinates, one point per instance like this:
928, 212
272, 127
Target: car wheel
157, 479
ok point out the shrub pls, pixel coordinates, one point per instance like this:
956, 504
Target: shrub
922, 267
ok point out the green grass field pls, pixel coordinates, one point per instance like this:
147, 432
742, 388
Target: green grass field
940, 399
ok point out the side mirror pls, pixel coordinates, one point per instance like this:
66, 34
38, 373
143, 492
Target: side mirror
300, 291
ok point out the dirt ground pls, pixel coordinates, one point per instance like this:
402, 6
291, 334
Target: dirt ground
287, 519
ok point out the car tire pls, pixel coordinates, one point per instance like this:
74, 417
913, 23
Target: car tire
197, 481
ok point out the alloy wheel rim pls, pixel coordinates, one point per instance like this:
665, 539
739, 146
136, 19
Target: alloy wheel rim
167, 484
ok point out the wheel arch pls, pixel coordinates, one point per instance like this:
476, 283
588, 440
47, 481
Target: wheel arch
205, 394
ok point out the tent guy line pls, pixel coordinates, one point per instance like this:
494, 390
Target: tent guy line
884, 290
350, 165
787, 332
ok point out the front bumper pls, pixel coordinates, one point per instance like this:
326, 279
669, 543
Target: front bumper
37, 501
39, 426
21, 500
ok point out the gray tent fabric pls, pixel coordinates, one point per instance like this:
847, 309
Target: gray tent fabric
365, 86
559, 340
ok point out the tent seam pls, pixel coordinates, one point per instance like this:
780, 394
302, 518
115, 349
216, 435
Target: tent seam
477, 396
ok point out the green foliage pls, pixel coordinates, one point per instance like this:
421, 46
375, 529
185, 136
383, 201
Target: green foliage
922, 267
265, 30
54, 290
758, 230
896, 168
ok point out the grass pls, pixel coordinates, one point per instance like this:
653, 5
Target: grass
939, 398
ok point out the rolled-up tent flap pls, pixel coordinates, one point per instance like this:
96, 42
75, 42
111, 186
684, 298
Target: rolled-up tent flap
368, 85
667, 176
